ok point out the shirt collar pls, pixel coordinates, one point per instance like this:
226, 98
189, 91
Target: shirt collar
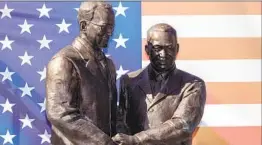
159, 76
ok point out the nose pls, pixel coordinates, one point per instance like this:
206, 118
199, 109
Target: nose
109, 32
162, 53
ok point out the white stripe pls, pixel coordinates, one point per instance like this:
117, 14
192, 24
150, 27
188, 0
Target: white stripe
239, 70
208, 25
231, 115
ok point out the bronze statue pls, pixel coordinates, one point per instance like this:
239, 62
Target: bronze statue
81, 83
160, 104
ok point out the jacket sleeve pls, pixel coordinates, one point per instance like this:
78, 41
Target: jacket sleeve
114, 97
113, 109
129, 117
184, 120
63, 105
122, 107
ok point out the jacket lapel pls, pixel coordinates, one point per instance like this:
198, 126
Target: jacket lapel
86, 55
144, 83
91, 65
169, 86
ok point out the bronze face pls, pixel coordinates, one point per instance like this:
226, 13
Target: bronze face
97, 22
162, 46
105, 27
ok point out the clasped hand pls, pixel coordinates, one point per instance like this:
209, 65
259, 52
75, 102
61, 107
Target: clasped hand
123, 139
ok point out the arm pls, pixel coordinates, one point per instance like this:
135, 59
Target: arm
128, 108
184, 121
62, 86
122, 108
114, 110
114, 97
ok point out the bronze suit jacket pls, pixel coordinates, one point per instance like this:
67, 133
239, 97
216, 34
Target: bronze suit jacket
81, 100
168, 118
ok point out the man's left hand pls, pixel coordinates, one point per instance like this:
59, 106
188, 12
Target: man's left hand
123, 139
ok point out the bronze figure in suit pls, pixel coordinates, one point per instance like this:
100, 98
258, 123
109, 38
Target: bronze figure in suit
81, 83
160, 104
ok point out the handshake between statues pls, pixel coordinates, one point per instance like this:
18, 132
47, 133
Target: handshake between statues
158, 105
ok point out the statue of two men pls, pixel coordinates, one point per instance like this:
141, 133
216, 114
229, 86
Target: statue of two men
159, 104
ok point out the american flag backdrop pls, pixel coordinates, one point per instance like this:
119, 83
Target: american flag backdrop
219, 41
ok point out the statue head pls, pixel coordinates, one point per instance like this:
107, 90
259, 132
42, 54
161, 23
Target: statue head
162, 46
96, 21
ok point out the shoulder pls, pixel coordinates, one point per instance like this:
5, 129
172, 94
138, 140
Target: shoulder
132, 76
189, 77
67, 52
59, 65
135, 74
191, 82
111, 64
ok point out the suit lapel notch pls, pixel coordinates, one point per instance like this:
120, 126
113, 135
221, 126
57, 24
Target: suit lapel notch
86, 55
92, 67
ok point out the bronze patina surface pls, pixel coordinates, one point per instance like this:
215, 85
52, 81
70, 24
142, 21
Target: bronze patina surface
81, 83
160, 104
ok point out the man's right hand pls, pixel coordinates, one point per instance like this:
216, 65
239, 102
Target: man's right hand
123, 139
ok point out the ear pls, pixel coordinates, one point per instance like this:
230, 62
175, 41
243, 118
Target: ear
177, 48
147, 49
83, 26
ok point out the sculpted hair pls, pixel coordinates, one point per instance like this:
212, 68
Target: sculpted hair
87, 10
161, 27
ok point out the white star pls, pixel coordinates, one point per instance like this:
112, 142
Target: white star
6, 12
121, 41
44, 42
44, 11
26, 27
6, 43
7, 75
42, 73
26, 59
26, 90
7, 106
120, 10
42, 106
121, 72
77, 9
45, 137
63, 26
27, 122
8, 138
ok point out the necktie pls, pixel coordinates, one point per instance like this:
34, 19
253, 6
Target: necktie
156, 87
